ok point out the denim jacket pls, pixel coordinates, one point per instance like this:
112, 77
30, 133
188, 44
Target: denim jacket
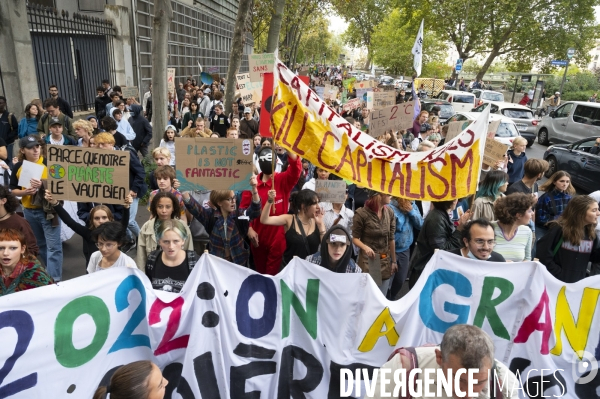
405, 223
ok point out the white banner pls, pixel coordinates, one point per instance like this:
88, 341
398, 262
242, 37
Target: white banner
232, 331
417, 51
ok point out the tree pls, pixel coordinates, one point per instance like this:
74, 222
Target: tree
530, 31
237, 50
275, 26
261, 13
362, 17
163, 15
391, 45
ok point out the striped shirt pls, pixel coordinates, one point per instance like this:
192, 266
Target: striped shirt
518, 248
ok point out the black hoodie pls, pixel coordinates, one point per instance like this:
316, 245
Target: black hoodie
141, 127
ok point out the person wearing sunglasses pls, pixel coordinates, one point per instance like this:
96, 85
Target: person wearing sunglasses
479, 241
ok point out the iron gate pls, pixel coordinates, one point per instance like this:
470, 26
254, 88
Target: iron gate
74, 54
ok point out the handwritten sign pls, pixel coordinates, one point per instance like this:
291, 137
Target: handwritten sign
351, 105
331, 92
259, 64
214, 164
492, 129
83, 174
251, 92
380, 99
494, 151
333, 191
365, 84
395, 117
131, 91
320, 90
171, 80
454, 129
212, 70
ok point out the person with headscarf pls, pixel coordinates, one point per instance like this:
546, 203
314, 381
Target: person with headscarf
123, 125
335, 253
142, 129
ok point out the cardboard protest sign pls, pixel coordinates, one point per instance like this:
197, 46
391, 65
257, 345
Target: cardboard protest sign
352, 104
320, 90
494, 151
251, 92
333, 191
213, 164
331, 92
362, 94
493, 128
380, 99
365, 84
171, 80
259, 64
395, 117
212, 70
131, 91
85, 174
317, 133
455, 128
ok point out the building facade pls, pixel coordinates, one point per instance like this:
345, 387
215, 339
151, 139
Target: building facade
75, 44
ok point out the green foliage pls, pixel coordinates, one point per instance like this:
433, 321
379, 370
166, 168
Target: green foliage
392, 43
317, 40
578, 95
526, 32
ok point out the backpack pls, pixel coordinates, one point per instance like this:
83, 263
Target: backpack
10, 116
411, 354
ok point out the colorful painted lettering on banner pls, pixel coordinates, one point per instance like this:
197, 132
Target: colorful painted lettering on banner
303, 123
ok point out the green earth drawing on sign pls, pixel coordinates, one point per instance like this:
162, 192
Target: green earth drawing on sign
57, 171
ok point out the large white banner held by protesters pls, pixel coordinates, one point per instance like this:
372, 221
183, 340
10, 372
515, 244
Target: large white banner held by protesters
232, 331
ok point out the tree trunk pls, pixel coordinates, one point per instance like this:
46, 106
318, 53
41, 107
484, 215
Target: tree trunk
275, 26
488, 62
163, 15
369, 56
237, 50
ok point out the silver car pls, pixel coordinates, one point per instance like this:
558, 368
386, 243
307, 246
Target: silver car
522, 116
572, 121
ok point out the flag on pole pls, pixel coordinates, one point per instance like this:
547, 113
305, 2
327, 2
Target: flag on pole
417, 51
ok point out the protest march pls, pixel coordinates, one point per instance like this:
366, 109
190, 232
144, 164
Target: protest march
321, 235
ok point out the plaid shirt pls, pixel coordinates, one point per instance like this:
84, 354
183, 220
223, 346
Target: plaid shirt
545, 212
350, 268
219, 242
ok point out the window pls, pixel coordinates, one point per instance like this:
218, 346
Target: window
480, 108
517, 113
563, 111
493, 96
587, 115
463, 99
584, 146
45, 3
507, 130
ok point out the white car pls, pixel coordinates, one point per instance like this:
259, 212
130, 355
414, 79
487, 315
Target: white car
506, 133
385, 77
460, 100
485, 96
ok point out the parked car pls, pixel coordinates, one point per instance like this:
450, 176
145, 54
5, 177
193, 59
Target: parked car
522, 116
388, 81
401, 84
484, 96
385, 77
460, 100
507, 130
576, 159
572, 121
446, 109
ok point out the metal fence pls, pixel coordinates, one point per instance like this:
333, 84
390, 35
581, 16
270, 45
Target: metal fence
75, 54
195, 36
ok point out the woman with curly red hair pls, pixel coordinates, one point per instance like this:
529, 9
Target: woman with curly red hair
20, 270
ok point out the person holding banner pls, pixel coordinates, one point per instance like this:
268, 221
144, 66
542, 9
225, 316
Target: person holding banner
513, 236
373, 230
138, 380
99, 214
479, 241
21, 270
336, 251
109, 237
571, 241
164, 206
304, 228
169, 267
47, 232
438, 232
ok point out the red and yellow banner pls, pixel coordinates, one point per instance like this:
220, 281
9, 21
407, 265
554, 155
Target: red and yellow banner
303, 123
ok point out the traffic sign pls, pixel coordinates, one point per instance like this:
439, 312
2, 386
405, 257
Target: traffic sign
559, 62
570, 52
459, 61
458, 68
